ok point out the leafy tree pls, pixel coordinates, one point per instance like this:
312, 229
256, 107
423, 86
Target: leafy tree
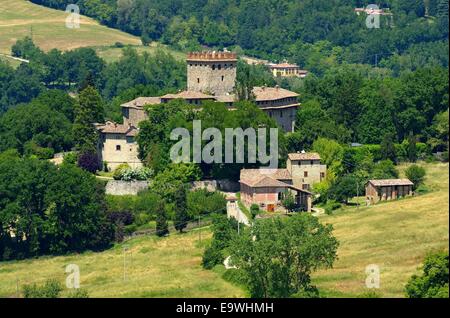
433, 282
26, 49
331, 154
278, 255
384, 169
88, 160
288, 201
388, 148
223, 231
416, 174
88, 110
344, 188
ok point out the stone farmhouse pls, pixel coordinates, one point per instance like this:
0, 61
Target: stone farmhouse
211, 76
267, 188
387, 189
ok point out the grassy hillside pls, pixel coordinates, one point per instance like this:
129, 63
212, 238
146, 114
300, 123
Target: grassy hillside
112, 54
394, 235
167, 267
20, 18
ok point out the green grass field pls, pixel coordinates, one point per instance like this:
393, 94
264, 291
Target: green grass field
20, 18
168, 267
394, 235
113, 54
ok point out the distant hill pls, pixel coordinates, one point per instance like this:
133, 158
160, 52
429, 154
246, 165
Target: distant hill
19, 18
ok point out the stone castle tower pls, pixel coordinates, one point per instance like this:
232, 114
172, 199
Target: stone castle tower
211, 72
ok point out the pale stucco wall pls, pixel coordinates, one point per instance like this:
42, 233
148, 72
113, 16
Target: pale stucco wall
128, 152
314, 171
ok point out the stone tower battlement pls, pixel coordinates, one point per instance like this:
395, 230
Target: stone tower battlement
211, 72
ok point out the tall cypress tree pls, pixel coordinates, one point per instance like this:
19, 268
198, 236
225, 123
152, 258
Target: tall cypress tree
162, 226
412, 149
387, 149
181, 216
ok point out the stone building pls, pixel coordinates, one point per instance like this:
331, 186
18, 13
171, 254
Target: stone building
287, 70
306, 169
387, 189
267, 188
211, 77
117, 145
211, 72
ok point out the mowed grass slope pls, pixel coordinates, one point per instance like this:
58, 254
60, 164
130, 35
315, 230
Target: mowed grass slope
395, 235
167, 267
20, 18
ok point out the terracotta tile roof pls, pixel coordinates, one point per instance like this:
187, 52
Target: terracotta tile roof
114, 128
142, 101
304, 156
391, 182
231, 98
265, 177
187, 95
272, 93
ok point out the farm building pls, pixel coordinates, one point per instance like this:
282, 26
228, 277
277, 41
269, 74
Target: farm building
387, 189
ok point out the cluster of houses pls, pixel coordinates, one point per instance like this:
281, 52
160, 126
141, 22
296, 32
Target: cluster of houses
211, 77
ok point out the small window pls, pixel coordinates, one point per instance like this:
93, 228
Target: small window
118, 148
305, 174
322, 175
198, 80
219, 67
223, 78
305, 186
214, 67
281, 114
312, 162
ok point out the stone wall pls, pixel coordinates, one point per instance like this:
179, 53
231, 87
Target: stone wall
214, 185
216, 78
118, 187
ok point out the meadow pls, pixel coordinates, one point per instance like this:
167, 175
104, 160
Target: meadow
20, 18
142, 267
394, 235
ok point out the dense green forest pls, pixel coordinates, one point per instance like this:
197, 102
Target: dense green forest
313, 33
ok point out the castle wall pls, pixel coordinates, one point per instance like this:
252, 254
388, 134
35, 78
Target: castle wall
214, 77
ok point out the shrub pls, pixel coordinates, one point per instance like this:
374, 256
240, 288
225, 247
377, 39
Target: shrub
254, 210
78, 293
126, 173
331, 206
51, 289
212, 256
118, 173
416, 174
70, 158
119, 44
